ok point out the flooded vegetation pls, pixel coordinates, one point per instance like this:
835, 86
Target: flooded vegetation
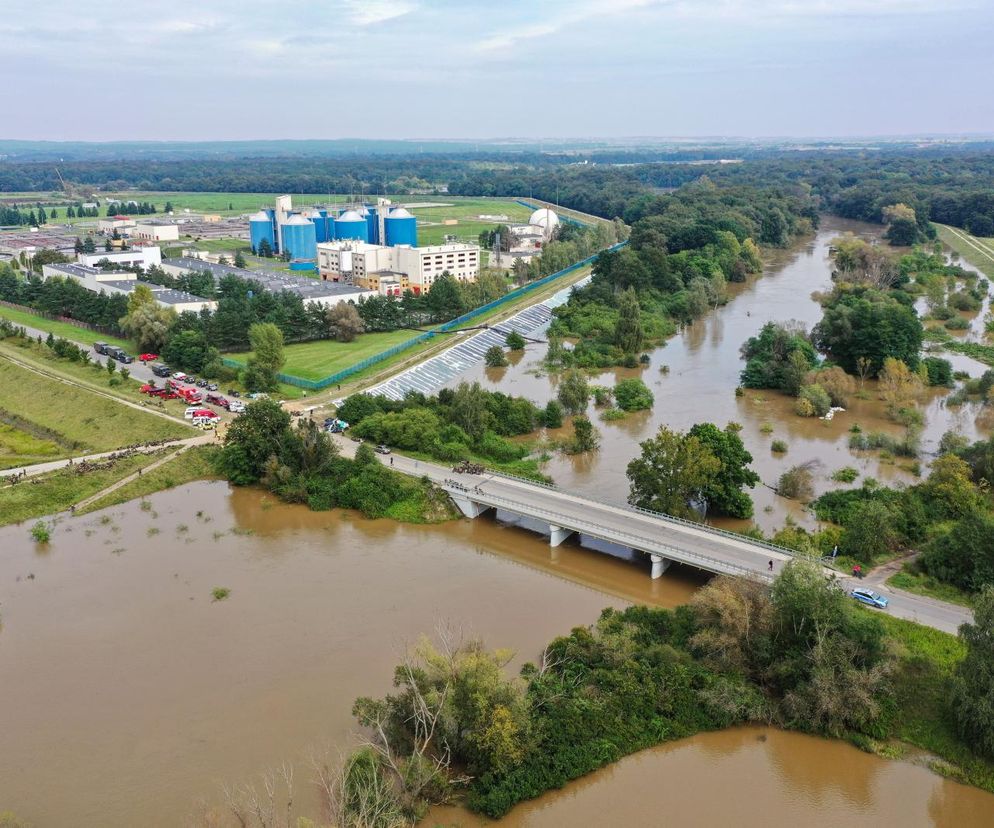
693, 379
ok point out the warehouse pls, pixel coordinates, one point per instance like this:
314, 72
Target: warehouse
110, 282
155, 230
145, 257
310, 290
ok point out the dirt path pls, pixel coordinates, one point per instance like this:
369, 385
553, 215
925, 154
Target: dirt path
115, 486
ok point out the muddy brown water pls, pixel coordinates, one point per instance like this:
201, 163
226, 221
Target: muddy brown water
704, 366
126, 694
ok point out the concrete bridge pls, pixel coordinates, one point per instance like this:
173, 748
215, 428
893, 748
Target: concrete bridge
561, 513
661, 538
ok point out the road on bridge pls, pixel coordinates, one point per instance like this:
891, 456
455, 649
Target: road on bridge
692, 544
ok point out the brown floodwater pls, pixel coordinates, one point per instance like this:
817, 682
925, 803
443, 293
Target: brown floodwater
127, 695
751, 777
703, 364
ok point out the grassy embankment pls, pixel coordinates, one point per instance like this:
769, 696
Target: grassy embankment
74, 418
66, 330
56, 491
928, 586
926, 661
195, 463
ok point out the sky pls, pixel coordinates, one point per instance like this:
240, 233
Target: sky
243, 69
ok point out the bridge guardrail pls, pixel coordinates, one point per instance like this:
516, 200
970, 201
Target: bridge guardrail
714, 530
641, 543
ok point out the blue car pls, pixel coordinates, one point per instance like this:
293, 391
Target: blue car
870, 598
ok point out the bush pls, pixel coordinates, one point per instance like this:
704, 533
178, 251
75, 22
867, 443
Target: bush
778, 446
819, 402
495, 357
41, 532
552, 415
797, 483
957, 323
633, 395
939, 371
847, 474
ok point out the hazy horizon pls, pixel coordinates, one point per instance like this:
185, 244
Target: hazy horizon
408, 69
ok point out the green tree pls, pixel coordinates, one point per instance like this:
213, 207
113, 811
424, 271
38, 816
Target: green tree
672, 473
240, 259
265, 250
633, 395
515, 341
445, 299
573, 392
973, 688
147, 322
88, 245
964, 554
629, 335
771, 361
495, 357
552, 415
260, 433
267, 357
344, 322
723, 491
584, 436
469, 409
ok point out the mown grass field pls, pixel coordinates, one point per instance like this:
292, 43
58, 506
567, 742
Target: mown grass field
57, 491
316, 360
74, 418
65, 330
18, 448
193, 464
976, 251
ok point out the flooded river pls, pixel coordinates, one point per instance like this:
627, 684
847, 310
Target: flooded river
127, 694
703, 370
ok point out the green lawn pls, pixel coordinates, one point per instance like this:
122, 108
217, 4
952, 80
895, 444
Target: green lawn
64, 329
74, 418
316, 360
18, 448
919, 583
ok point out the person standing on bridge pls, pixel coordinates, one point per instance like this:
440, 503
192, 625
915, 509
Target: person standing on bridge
771, 566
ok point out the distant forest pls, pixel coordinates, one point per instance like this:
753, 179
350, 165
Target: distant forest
950, 184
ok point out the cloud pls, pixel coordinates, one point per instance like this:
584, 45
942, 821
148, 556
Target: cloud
370, 12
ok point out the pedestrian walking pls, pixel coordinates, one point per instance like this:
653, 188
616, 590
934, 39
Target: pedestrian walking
771, 566
391, 461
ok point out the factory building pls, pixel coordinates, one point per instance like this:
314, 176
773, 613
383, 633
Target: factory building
120, 223
111, 282
142, 256
295, 233
309, 289
372, 265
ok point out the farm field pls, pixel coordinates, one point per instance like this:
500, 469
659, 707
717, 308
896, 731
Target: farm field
66, 330
72, 418
977, 251
319, 359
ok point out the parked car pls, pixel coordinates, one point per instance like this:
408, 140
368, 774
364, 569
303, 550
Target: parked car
381, 449
123, 357
212, 386
236, 407
100, 347
202, 383
160, 370
870, 598
259, 395
179, 375
233, 393
148, 357
217, 399
195, 411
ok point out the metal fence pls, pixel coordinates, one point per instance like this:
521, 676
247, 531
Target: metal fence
345, 373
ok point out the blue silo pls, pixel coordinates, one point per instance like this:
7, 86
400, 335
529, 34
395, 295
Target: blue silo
320, 222
372, 224
300, 238
350, 225
261, 227
401, 228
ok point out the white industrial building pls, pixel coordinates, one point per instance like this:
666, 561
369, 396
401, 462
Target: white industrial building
309, 289
111, 223
155, 230
417, 268
143, 256
111, 282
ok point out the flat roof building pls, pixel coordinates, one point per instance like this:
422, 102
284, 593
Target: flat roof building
310, 290
111, 282
144, 256
155, 230
357, 263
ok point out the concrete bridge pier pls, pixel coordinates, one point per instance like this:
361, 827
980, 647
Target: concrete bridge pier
469, 508
659, 565
557, 534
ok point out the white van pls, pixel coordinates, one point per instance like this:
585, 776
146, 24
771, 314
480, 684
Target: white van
236, 407
197, 410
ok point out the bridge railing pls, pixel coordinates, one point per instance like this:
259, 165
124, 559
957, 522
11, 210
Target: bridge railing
640, 542
690, 524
